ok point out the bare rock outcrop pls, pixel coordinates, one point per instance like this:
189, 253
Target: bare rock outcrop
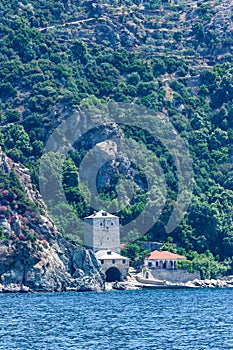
33, 254
56, 266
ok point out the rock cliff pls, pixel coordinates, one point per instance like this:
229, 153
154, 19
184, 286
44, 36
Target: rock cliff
33, 254
55, 266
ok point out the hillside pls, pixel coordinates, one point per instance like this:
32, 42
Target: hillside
34, 256
173, 57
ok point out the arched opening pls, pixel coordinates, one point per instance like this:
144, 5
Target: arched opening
113, 274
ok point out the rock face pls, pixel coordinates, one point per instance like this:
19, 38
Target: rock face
55, 266
105, 164
33, 255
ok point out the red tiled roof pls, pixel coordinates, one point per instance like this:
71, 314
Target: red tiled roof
164, 255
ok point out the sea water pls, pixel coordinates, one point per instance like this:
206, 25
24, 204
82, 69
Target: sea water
149, 319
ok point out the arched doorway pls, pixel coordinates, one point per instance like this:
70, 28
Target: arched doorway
113, 274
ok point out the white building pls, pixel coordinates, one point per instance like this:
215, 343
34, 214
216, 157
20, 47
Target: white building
102, 235
114, 265
102, 231
163, 266
160, 259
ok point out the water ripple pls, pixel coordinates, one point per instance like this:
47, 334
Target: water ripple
156, 319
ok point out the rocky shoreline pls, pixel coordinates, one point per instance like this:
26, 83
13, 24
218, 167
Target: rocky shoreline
224, 282
133, 284
34, 257
57, 266
86, 283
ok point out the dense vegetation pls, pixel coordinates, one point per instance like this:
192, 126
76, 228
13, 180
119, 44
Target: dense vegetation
175, 57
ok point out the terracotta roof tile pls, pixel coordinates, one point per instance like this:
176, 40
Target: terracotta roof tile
164, 255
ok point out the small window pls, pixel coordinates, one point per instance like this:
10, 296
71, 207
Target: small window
124, 261
113, 261
111, 223
102, 262
101, 224
149, 264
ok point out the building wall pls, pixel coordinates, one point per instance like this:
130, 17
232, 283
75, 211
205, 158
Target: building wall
151, 245
88, 233
160, 264
102, 233
174, 275
123, 268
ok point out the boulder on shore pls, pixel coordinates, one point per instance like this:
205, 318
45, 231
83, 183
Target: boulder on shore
211, 283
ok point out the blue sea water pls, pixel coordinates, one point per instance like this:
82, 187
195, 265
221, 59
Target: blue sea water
156, 319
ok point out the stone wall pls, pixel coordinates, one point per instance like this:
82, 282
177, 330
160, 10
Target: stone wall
88, 233
123, 268
101, 233
174, 275
151, 245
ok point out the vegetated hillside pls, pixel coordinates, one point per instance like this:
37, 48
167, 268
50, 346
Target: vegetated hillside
170, 56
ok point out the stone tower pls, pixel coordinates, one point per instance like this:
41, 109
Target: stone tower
102, 231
